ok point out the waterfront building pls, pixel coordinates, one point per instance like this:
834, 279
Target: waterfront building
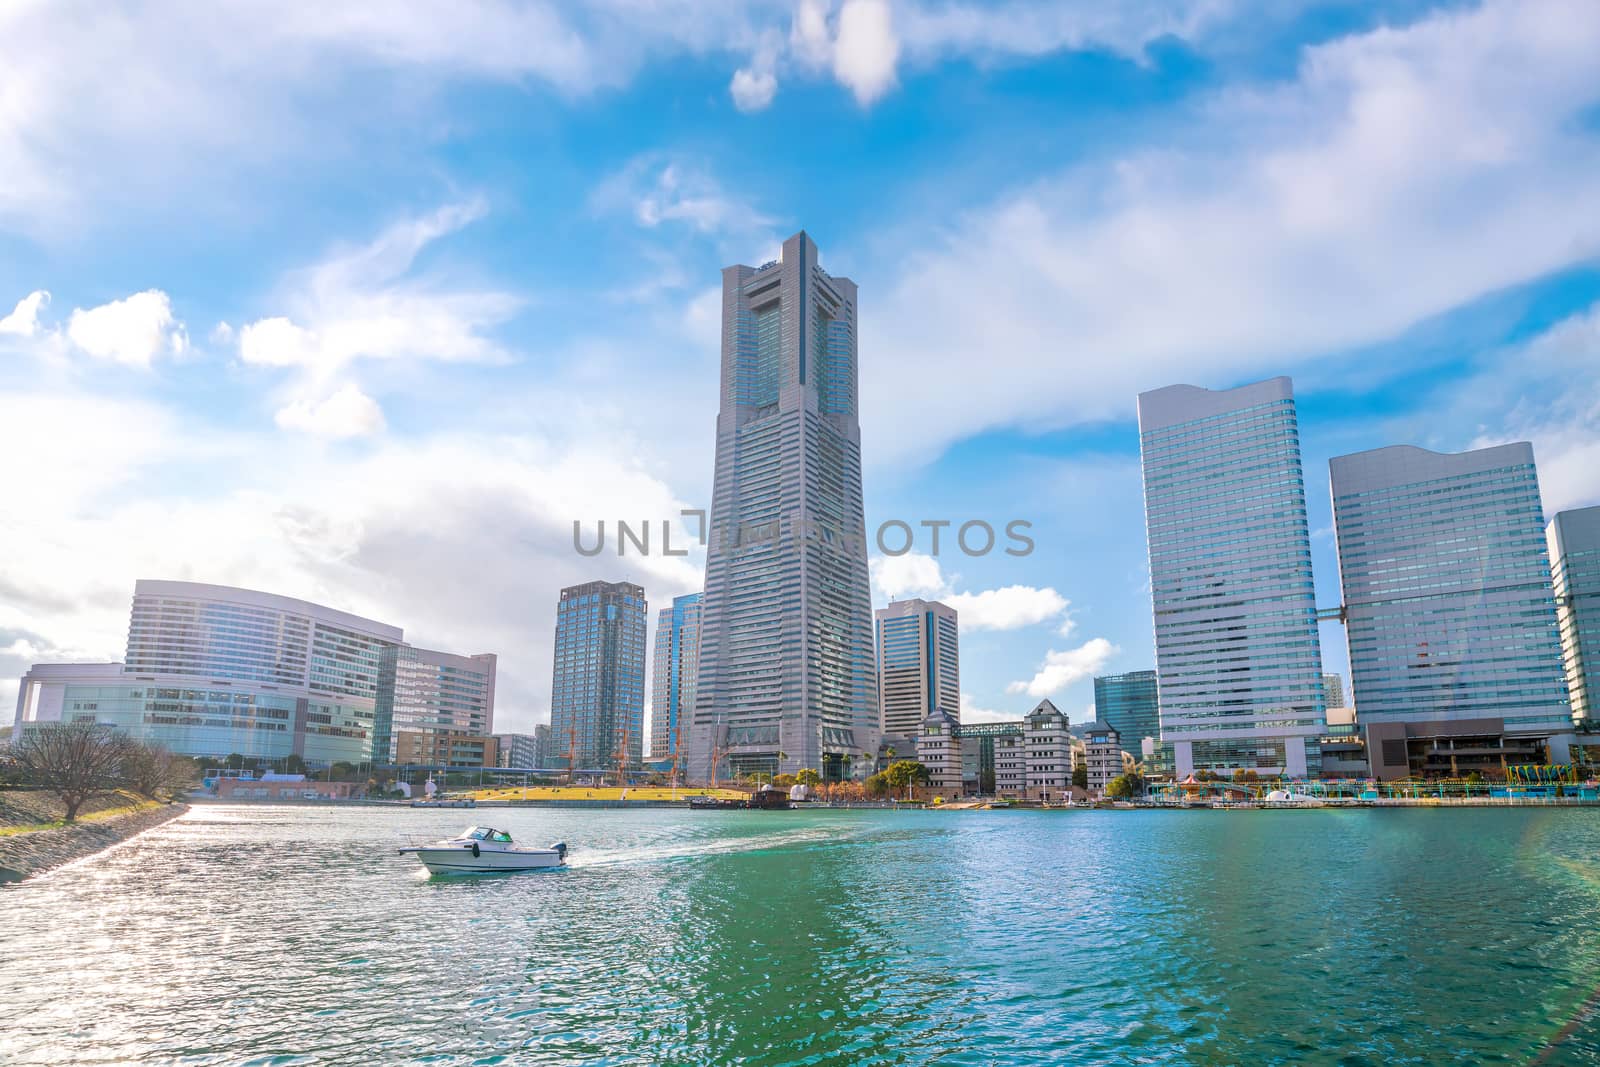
786, 674
1455, 659
1574, 543
1010, 764
672, 688
1102, 754
1333, 691
213, 670
919, 664
451, 749
421, 690
1049, 753
1238, 661
1127, 703
597, 694
939, 750
522, 751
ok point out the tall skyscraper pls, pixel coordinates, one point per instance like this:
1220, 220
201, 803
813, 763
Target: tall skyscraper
1127, 703
919, 665
597, 697
1574, 538
786, 661
422, 691
672, 687
1447, 596
1238, 662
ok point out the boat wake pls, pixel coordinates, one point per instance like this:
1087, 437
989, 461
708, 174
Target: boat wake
697, 848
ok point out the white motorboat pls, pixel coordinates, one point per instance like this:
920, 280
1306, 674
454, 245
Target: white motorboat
1290, 799
484, 850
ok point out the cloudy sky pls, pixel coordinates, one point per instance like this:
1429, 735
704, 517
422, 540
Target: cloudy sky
366, 303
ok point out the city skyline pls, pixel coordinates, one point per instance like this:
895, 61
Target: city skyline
313, 387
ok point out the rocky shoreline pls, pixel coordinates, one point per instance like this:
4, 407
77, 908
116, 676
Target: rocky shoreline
22, 855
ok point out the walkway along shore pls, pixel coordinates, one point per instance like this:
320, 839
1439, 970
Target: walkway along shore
25, 854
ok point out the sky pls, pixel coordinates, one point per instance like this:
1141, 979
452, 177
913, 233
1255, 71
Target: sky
368, 304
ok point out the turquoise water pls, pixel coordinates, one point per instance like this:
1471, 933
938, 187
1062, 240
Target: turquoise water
297, 935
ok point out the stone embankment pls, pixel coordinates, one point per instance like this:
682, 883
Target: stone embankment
25, 854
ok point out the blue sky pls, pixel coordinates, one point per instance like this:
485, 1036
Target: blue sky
367, 305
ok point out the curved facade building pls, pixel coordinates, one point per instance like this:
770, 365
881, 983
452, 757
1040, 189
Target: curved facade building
213, 670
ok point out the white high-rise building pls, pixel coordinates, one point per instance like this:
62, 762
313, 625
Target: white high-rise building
1238, 661
919, 665
786, 663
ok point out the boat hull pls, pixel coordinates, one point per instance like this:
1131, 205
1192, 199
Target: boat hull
462, 861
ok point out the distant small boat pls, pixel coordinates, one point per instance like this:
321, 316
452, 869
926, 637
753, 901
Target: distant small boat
485, 850
1287, 798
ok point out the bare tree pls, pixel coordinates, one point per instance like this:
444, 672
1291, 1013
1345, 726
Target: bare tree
74, 760
151, 769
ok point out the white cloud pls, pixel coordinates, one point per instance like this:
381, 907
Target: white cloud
752, 88
916, 574
24, 319
347, 412
1546, 390
971, 713
910, 575
866, 49
655, 189
1061, 669
370, 303
134, 331
1008, 608
1284, 224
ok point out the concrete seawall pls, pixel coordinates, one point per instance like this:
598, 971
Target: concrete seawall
27, 854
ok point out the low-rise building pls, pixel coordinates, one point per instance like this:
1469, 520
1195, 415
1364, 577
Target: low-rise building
445, 748
281, 787
1048, 753
939, 750
1102, 754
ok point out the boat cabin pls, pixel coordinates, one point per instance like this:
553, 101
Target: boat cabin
484, 833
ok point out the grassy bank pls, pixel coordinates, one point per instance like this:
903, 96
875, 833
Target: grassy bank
26, 811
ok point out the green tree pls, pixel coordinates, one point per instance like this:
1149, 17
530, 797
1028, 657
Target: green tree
234, 762
1080, 776
1244, 774
904, 773
342, 770
1119, 787
877, 785
808, 777
294, 764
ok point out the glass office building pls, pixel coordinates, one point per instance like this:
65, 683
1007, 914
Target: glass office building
787, 672
919, 665
1238, 661
672, 687
1574, 541
1128, 704
1447, 592
597, 696
424, 691
213, 670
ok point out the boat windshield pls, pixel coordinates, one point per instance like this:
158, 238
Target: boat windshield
484, 833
